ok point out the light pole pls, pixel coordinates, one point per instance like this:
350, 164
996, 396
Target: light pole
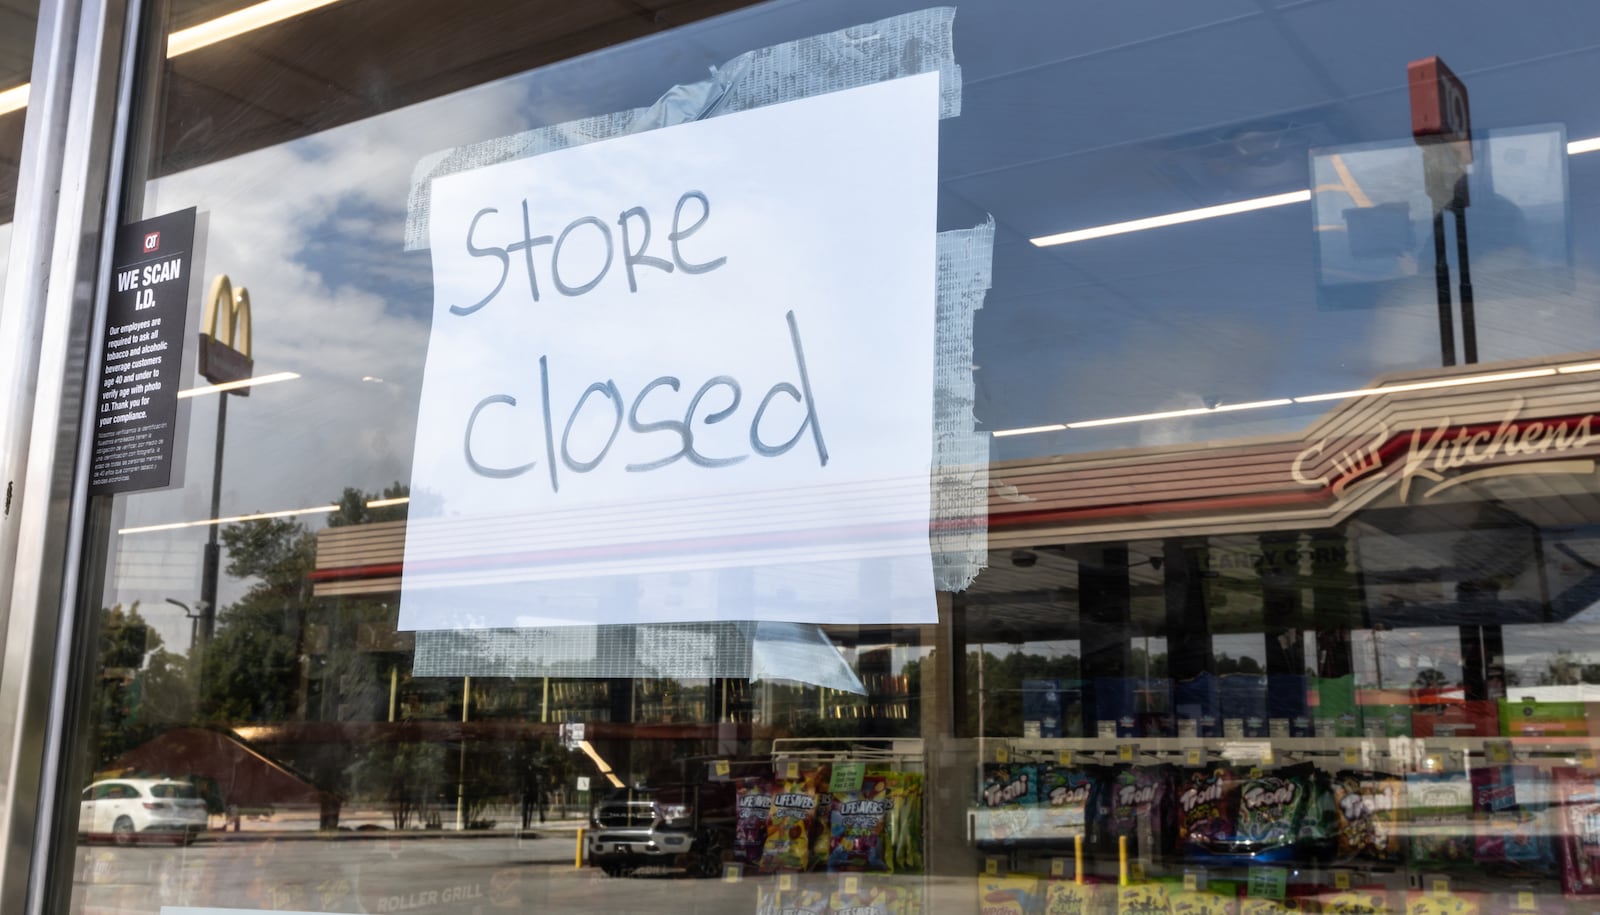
221, 364
194, 618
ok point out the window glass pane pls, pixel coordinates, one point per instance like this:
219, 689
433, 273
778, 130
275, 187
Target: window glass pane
1248, 461
18, 19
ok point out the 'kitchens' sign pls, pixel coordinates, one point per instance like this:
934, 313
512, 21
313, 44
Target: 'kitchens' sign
1432, 459
685, 375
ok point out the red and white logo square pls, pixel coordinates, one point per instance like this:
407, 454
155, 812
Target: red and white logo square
152, 242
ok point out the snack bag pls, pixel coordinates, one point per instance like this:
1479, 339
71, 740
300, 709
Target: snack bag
1368, 809
1579, 794
856, 827
1514, 819
1140, 807
1065, 802
1202, 902
790, 822
903, 831
1063, 897
1256, 905
1008, 796
750, 825
1429, 903
803, 901
1205, 801
1272, 809
870, 898
1439, 808
1012, 895
1143, 899
1355, 902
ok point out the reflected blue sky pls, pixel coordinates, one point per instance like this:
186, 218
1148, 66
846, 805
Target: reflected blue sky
1073, 115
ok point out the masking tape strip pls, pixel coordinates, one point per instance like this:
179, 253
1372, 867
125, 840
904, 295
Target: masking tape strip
904, 45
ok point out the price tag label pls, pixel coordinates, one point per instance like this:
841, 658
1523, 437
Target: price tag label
1498, 752
852, 885
1194, 756
786, 882
1191, 882
847, 777
721, 768
1126, 752
1526, 903
1351, 756
1341, 880
791, 769
1255, 771
1266, 755
732, 873
1441, 886
1136, 871
1268, 882
1002, 754
1586, 759
1064, 757
991, 867
1058, 867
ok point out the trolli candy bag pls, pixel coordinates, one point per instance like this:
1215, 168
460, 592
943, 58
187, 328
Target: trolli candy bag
1066, 799
1140, 807
1368, 807
1272, 807
1006, 801
1205, 801
1515, 822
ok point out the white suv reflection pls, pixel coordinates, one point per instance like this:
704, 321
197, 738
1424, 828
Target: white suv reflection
125, 808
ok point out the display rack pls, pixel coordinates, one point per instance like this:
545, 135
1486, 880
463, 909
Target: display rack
776, 892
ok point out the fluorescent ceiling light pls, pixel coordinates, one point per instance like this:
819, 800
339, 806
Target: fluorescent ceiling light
1028, 430
1307, 398
238, 23
203, 35
235, 385
1427, 385
14, 99
1172, 219
259, 516
1576, 147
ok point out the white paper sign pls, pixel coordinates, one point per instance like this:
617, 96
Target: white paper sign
685, 375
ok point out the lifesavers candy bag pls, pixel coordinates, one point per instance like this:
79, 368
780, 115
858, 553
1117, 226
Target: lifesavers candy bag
1009, 794
1205, 800
857, 821
750, 824
1439, 810
789, 826
1368, 808
1579, 795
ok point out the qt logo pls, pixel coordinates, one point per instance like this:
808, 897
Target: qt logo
152, 242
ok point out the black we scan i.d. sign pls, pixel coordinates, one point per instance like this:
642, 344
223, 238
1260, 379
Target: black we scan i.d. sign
136, 408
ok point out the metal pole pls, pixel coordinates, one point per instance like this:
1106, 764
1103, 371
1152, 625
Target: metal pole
1469, 323
1441, 279
213, 552
461, 769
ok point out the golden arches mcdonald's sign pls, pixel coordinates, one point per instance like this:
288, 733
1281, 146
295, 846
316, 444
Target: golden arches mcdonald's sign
226, 359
